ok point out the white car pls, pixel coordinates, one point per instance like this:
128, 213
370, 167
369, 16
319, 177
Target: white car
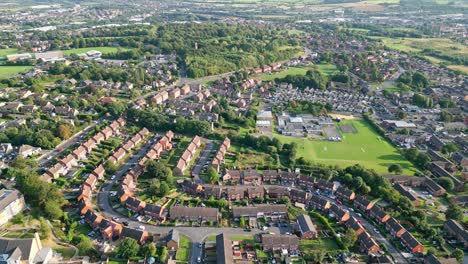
142, 228
113, 177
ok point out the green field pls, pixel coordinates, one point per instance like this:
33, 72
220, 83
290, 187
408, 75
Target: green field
101, 49
7, 71
365, 147
327, 69
282, 74
5, 52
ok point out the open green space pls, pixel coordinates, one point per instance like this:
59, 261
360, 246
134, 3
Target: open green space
324, 244
5, 52
104, 50
327, 69
284, 73
8, 71
365, 147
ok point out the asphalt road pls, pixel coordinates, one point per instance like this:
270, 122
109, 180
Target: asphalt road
204, 156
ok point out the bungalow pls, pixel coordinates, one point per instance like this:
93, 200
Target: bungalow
394, 227
254, 192
363, 203
339, 213
135, 204
306, 227
433, 188
354, 224
139, 235
201, 214
272, 242
405, 192
319, 203
345, 193
411, 243
378, 214
456, 230
367, 244
172, 240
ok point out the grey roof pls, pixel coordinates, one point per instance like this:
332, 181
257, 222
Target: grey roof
305, 224
8, 196
223, 250
17, 247
173, 236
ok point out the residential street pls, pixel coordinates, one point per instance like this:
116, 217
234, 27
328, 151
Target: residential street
204, 155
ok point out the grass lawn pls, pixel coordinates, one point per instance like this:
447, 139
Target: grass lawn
327, 69
245, 238
182, 254
5, 52
282, 74
365, 147
325, 244
101, 49
7, 71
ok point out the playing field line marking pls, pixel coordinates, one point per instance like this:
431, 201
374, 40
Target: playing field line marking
363, 150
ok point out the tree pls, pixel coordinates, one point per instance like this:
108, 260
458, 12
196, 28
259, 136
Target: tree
395, 168
116, 109
157, 170
242, 222
53, 210
454, 212
162, 254
349, 238
449, 148
163, 189
44, 228
85, 246
128, 248
357, 182
446, 182
458, 254
212, 175
64, 131
110, 167
148, 250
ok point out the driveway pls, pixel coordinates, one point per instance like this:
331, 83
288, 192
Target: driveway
204, 156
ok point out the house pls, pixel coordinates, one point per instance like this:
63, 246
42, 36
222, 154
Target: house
90, 182
306, 227
363, 203
339, 213
154, 211
174, 93
214, 191
272, 242
172, 240
224, 253
191, 187
107, 133
117, 156
354, 224
456, 230
200, 214
135, 204
271, 210
66, 111
277, 192
69, 161
197, 141
136, 139
299, 196
413, 245
431, 259
436, 143
345, 193
5, 148
139, 235
24, 250
251, 177
405, 192
184, 90
255, 192
93, 218
55, 171
288, 177
165, 143
378, 214
319, 203
232, 176
11, 203
99, 172
270, 176
89, 145
367, 244
110, 229
326, 185
394, 227
84, 206
235, 193
434, 188
27, 151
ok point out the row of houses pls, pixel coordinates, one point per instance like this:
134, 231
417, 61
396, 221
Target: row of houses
175, 93
186, 157
220, 154
65, 164
373, 211
128, 146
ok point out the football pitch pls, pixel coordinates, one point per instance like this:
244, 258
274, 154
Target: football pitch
364, 147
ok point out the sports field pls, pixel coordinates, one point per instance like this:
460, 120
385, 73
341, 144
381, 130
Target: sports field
101, 49
365, 147
7, 71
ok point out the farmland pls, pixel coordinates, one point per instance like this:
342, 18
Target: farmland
365, 147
